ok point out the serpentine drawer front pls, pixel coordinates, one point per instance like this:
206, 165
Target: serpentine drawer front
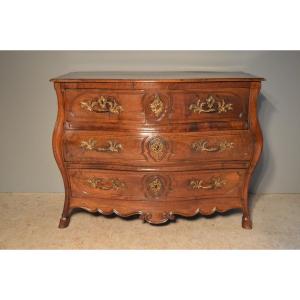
155, 186
158, 145
161, 149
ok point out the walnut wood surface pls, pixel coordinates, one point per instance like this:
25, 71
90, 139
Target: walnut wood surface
136, 105
156, 76
158, 212
137, 185
150, 146
139, 149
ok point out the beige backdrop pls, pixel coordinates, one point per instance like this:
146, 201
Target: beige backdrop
28, 108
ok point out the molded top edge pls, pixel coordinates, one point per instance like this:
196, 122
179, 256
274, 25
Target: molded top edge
174, 76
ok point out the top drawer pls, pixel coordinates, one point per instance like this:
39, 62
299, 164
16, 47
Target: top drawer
194, 109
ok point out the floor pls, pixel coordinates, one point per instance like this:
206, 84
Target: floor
29, 221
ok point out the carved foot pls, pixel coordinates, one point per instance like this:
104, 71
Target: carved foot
246, 222
64, 222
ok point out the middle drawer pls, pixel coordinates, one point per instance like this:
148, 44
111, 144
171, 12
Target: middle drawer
156, 148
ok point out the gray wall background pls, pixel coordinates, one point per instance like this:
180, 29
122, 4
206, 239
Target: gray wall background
28, 108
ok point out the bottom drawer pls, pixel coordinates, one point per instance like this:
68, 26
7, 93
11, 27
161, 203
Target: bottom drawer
157, 186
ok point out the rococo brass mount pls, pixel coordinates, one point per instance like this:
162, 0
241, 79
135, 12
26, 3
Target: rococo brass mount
102, 105
91, 145
157, 148
155, 186
202, 145
210, 105
106, 184
212, 184
157, 106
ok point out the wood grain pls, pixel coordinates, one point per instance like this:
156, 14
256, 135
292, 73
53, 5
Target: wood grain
177, 144
136, 108
176, 185
156, 76
137, 149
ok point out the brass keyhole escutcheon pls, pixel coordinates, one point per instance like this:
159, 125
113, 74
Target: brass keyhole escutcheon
155, 187
157, 148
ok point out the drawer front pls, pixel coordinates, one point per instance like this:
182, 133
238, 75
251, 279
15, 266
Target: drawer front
92, 108
165, 186
103, 106
157, 149
212, 106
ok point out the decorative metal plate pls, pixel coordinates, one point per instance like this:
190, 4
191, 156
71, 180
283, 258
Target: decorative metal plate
157, 148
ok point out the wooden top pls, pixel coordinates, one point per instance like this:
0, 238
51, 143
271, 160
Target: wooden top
190, 76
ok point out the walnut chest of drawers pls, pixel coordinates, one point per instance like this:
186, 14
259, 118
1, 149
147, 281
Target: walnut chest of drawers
158, 145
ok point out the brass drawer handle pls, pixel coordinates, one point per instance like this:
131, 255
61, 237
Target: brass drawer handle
91, 145
212, 184
202, 145
210, 105
106, 184
102, 105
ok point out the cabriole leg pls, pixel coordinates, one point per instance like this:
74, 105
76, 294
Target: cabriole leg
65, 218
64, 222
246, 221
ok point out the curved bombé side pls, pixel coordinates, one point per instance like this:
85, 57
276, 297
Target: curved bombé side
57, 142
258, 145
